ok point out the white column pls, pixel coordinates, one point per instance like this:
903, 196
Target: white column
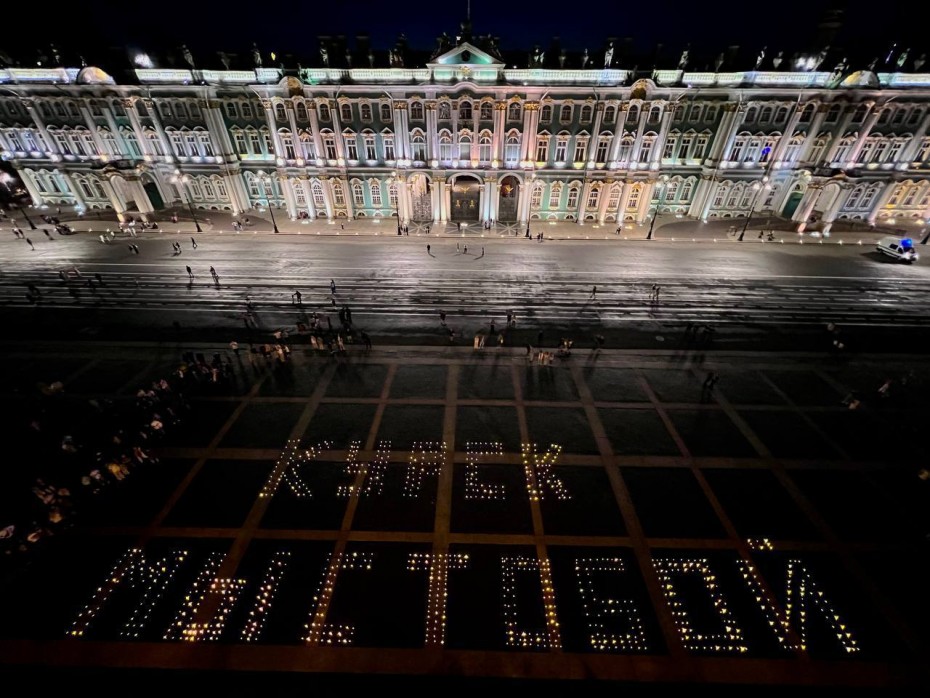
833, 209
238, 196
435, 196
624, 201
812, 132
315, 130
114, 128
729, 127
779, 150
432, 131
403, 211
75, 192
640, 130
645, 203
595, 132
486, 201
40, 124
141, 197
523, 205
446, 201
327, 197
582, 203
401, 131
92, 127
703, 194
130, 107
910, 150
864, 133
494, 199
803, 212
304, 185
118, 205
289, 201
604, 198
840, 135
659, 146
497, 142
618, 135
295, 134
347, 195
270, 122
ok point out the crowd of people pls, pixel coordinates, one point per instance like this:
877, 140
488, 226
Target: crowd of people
77, 449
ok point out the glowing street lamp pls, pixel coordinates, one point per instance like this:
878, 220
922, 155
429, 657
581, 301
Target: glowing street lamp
184, 179
756, 187
661, 184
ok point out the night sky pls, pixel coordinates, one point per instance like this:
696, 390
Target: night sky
292, 27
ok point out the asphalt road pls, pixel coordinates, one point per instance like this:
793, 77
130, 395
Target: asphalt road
396, 289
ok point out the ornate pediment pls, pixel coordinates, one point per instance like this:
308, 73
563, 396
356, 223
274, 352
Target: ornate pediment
465, 55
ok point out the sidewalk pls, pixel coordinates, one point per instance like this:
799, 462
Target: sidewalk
667, 228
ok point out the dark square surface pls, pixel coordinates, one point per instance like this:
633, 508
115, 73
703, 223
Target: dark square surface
138, 498
475, 606
614, 384
404, 425
108, 377
357, 380
788, 435
308, 497
486, 382
851, 505
588, 506
901, 576
509, 513
263, 425
566, 427
547, 383
201, 424
339, 424
487, 425
291, 605
710, 432
393, 619
292, 379
907, 494
601, 597
221, 494
416, 381
758, 505
864, 436
403, 499
637, 432
671, 504
674, 385
804, 387
747, 388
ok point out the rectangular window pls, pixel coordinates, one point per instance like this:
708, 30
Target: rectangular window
192, 148
669, 150
561, 148
685, 147
592, 198
329, 144
177, 142
542, 150
389, 148
386, 114
365, 111
581, 147
246, 110
239, 139
338, 197
376, 194
536, 198
255, 143
419, 151
370, 153
645, 152
601, 154
358, 196
700, 148
572, 198
711, 114
351, 148
231, 112
554, 195
269, 143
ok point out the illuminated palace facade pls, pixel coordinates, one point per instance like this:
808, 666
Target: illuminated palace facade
466, 139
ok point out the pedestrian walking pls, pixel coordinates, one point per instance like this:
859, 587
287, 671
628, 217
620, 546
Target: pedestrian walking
47, 234
194, 243
131, 250
427, 249
492, 327
212, 272
190, 274
99, 279
296, 298
332, 286
135, 249
482, 252
366, 340
427, 230
464, 249
457, 247
442, 318
30, 243
710, 380
593, 291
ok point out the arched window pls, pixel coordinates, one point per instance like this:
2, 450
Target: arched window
655, 113
635, 194
246, 110
594, 195
610, 114
751, 115
899, 116
555, 195
833, 115
854, 197
358, 194
385, 112
487, 111
220, 188
287, 142
626, 148
324, 111
869, 196
572, 202
301, 111
445, 146
545, 114
206, 145
370, 153
671, 190
329, 144
765, 116
586, 113
613, 202
542, 147
581, 147
686, 190
418, 145
319, 198
445, 111
633, 114
536, 196
512, 148
720, 194
306, 144
387, 146
565, 113
416, 111
484, 147
231, 111
781, 115
807, 114
603, 147
364, 110
392, 195
345, 113
514, 111
859, 115
339, 197
465, 110
465, 147
733, 198
374, 188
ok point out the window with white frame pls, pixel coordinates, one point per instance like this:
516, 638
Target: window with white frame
603, 147
842, 152
645, 153
593, 197
31, 144
345, 112
561, 147
635, 194
610, 114
155, 143
686, 189
464, 147
542, 148
364, 110
255, 142
445, 146
765, 116
386, 112
465, 110
220, 188
280, 113
319, 198
487, 111
194, 109
545, 114
818, 149
859, 115
924, 153
387, 141
512, 148
894, 150
299, 197
370, 153
339, 197
671, 190
668, 152
180, 110
684, 150
132, 144
899, 116
351, 142
719, 195
445, 111
555, 195
206, 145
177, 143
655, 113
324, 111
256, 190
108, 139
536, 196
854, 197
416, 111
418, 145
209, 192
392, 195
190, 139
626, 149
268, 142
587, 112
287, 142
746, 201
613, 201
833, 114
581, 148
484, 148
781, 115
736, 152
565, 114
910, 197
329, 145
869, 197
734, 196
301, 114
358, 194
247, 112
514, 111
375, 192
711, 114
572, 202
231, 111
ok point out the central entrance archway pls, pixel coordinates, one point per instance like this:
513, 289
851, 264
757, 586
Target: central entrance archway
420, 199
466, 196
507, 199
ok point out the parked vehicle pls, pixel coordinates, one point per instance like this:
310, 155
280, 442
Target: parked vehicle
899, 248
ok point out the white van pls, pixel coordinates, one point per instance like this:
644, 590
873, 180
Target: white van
898, 248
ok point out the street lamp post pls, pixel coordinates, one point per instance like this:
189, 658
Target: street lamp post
392, 180
652, 224
264, 179
184, 179
758, 188
926, 236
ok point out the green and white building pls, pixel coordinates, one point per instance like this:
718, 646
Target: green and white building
465, 138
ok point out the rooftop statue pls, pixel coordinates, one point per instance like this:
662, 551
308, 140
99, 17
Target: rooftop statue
609, 55
256, 56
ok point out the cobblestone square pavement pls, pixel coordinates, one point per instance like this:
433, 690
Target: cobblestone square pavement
438, 512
